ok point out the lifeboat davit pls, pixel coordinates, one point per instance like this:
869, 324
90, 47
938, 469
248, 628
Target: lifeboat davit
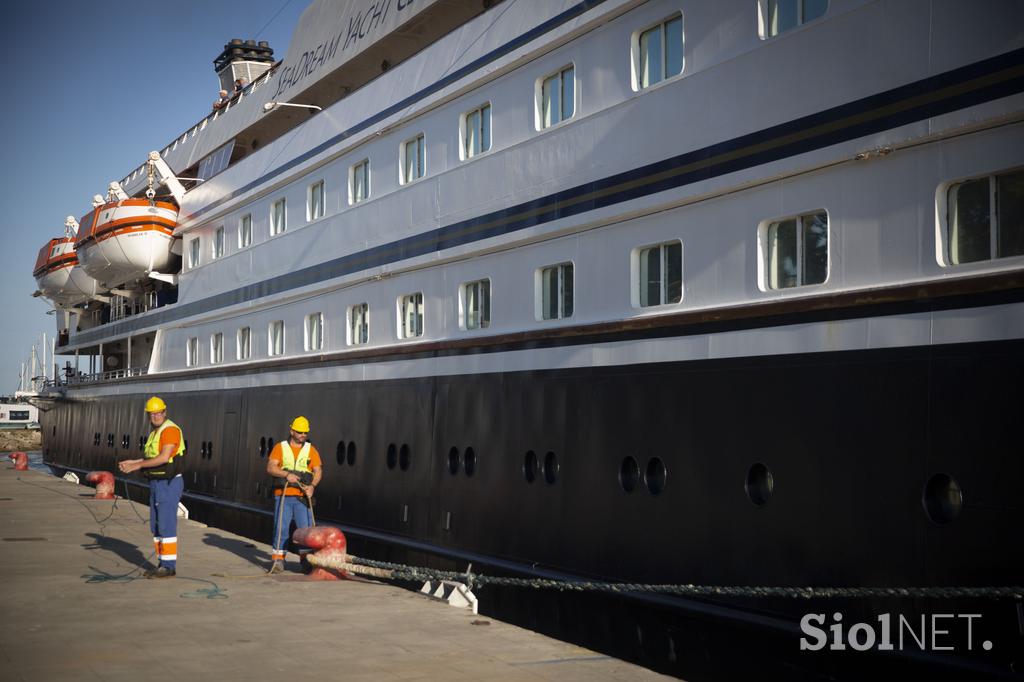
59, 276
123, 241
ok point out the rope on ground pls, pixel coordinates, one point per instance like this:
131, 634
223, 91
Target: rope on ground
403, 572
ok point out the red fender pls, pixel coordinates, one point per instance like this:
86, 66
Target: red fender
104, 481
329, 542
20, 460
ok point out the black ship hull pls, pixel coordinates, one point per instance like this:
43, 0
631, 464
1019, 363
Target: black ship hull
830, 469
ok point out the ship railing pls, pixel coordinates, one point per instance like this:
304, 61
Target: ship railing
78, 378
206, 121
121, 307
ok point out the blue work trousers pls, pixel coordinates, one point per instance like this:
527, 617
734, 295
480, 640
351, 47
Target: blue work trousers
295, 509
164, 496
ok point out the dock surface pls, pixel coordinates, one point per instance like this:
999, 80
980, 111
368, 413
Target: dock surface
76, 607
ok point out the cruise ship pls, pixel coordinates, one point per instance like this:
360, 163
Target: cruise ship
670, 291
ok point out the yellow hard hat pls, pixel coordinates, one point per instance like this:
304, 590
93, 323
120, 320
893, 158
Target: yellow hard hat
154, 404
300, 424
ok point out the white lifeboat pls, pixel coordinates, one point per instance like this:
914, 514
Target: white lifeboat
123, 241
59, 276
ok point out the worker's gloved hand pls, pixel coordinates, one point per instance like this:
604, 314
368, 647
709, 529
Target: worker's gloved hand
308, 489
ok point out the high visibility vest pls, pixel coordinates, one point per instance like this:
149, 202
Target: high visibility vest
289, 462
152, 450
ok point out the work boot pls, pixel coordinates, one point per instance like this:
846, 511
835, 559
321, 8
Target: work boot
160, 572
276, 567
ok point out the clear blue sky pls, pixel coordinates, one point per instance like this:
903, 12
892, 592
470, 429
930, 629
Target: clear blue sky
88, 90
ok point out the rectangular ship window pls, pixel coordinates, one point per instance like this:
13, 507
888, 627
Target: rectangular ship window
410, 316
275, 338
278, 217
797, 251
779, 16
245, 231
985, 218
243, 344
555, 292
359, 182
414, 159
475, 304
358, 324
658, 53
217, 248
659, 274
315, 199
192, 352
556, 97
194, 251
476, 131
216, 349
314, 336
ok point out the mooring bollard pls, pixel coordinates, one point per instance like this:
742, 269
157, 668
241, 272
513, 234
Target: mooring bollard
20, 460
328, 542
104, 481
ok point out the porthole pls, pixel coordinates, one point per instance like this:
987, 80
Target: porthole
142, 443
270, 445
392, 457
263, 446
339, 453
110, 440
942, 499
655, 476
629, 474
453, 461
469, 462
760, 484
530, 466
209, 450
550, 468
186, 445
404, 457
350, 454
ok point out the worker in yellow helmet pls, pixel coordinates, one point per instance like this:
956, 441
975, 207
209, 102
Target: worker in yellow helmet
161, 464
296, 468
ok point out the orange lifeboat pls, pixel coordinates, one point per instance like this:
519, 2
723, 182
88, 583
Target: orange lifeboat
59, 276
123, 241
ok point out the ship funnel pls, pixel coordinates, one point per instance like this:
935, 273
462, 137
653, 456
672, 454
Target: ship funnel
246, 59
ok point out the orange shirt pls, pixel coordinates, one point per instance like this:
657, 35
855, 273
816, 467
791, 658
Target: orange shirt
170, 436
276, 455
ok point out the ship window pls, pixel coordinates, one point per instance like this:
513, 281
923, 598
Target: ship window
658, 274
414, 159
359, 182
315, 201
796, 251
217, 248
475, 129
314, 336
658, 53
243, 343
194, 250
55, 250
358, 324
192, 352
985, 218
275, 338
245, 231
778, 16
556, 97
554, 287
216, 348
475, 304
410, 316
278, 217
215, 162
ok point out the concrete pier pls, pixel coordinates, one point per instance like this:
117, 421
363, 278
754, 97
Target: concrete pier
76, 607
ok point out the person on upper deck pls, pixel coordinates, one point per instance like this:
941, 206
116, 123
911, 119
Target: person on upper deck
240, 84
222, 101
296, 467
